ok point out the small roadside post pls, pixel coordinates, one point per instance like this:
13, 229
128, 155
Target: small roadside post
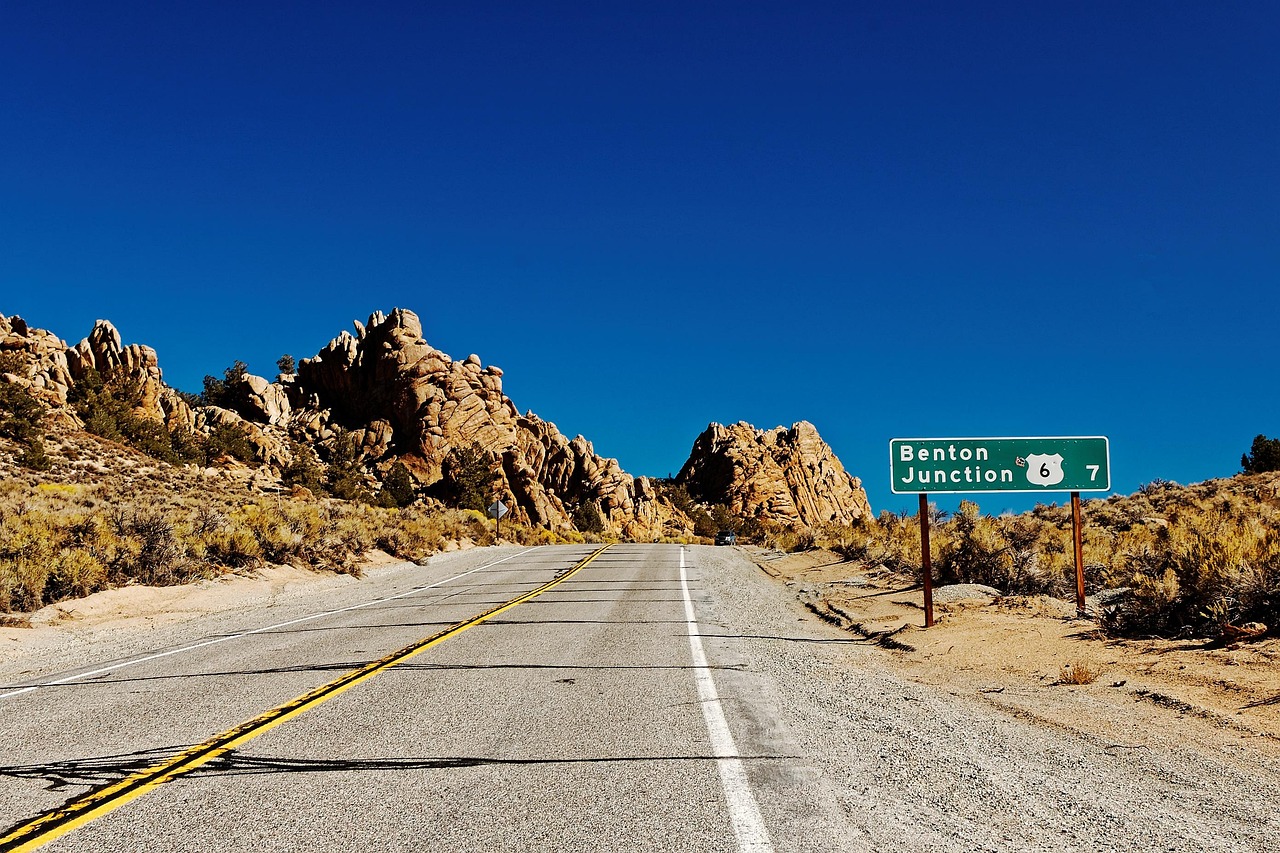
926, 560
949, 466
497, 510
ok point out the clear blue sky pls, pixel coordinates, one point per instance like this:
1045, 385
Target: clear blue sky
890, 219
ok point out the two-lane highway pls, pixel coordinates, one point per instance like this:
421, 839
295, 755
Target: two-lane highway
646, 697
585, 717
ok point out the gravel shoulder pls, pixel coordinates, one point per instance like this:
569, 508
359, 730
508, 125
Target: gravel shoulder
954, 747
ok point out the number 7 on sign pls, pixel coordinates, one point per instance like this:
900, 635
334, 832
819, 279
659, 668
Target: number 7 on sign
1093, 471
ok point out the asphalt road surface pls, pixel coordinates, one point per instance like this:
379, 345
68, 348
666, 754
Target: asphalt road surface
653, 697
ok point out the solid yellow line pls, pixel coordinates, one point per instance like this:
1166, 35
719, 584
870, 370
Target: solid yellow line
97, 802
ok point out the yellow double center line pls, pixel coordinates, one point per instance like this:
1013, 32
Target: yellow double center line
99, 801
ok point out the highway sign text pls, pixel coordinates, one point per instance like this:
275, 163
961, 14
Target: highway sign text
957, 465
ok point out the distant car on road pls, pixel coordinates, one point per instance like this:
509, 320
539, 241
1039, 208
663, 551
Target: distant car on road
726, 537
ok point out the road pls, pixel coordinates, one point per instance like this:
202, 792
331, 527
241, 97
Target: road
646, 697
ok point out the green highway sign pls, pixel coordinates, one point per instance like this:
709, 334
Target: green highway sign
958, 465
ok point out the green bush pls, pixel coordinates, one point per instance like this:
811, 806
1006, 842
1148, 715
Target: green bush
228, 440
108, 407
1263, 455
587, 518
217, 392
468, 478
398, 486
304, 469
344, 475
21, 415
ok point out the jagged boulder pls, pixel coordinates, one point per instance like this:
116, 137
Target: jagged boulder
785, 476
431, 404
37, 360
256, 399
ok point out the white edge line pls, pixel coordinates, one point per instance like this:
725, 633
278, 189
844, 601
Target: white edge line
117, 666
744, 812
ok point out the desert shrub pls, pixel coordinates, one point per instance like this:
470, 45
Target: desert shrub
1078, 672
108, 405
59, 540
74, 573
228, 440
21, 415
587, 518
344, 476
34, 456
232, 546
150, 551
398, 485
29, 541
1210, 565
278, 540
1011, 553
304, 469
468, 478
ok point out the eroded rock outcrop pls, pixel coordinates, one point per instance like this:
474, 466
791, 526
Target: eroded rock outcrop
51, 369
427, 404
784, 476
390, 397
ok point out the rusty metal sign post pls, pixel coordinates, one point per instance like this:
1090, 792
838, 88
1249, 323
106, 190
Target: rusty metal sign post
926, 560
926, 466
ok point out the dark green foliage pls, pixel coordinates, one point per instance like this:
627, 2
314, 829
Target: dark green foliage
108, 408
344, 474
304, 469
217, 392
34, 457
469, 478
20, 414
228, 440
21, 418
1264, 455
398, 486
587, 518
724, 519
186, 446
286, 364
703, 524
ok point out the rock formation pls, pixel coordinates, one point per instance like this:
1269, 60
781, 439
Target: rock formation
395, 398
426, 405
784, 476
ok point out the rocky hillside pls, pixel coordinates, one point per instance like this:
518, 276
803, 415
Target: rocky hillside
382, 399
383, 388
788, 477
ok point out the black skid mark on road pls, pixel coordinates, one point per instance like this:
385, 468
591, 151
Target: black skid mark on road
90, 772
235, 764
107, 680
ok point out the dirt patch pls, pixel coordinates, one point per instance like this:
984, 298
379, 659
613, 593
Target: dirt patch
1022, 652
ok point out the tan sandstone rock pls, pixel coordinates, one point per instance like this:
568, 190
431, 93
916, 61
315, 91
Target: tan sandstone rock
785, 476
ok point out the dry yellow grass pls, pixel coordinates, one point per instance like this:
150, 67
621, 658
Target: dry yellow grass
1078, 672
106, 516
